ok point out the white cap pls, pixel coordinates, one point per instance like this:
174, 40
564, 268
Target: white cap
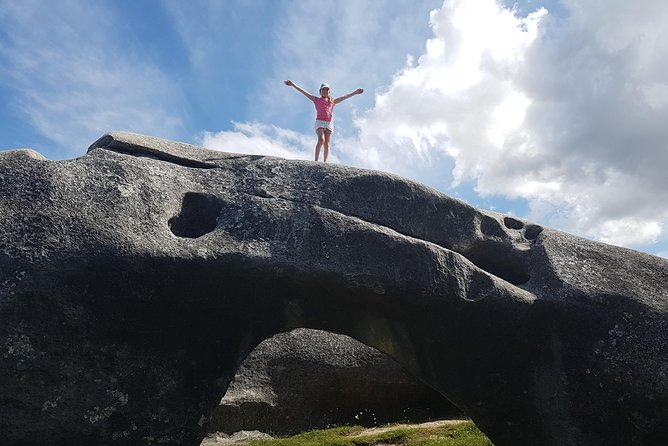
324, 85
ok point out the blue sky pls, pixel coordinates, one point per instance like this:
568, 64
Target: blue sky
551, 110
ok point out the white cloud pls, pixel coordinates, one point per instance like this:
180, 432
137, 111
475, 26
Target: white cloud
261, 139
605, 142
72, 79
458, 100
567, 113
630, 229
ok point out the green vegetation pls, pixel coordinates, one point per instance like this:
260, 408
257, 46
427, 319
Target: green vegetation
462, 433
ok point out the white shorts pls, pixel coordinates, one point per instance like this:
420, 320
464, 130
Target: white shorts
329, 125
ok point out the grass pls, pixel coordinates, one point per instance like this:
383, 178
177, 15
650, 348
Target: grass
459, 434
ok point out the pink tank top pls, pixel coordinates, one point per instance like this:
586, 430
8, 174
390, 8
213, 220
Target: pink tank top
324, 109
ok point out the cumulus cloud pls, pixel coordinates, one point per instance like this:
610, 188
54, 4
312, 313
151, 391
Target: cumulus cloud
567, 113
457, 99
600, 135
261, 139
72, 80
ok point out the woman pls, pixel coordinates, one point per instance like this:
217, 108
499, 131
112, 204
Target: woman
324, 106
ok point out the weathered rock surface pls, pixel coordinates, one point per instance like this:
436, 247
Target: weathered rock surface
308, 379
135, 279
238, 438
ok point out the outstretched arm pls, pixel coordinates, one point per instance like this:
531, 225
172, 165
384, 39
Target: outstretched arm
349, 95
289, 83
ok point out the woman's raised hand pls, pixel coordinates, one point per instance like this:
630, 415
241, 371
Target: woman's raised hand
359, 91
289, 83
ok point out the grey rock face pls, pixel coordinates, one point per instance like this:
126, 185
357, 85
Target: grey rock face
308, 379
135, 279
238, 438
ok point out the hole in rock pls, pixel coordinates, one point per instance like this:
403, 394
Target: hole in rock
500, 260
308, 379
532, 232
490, 226
512, 223
198, 216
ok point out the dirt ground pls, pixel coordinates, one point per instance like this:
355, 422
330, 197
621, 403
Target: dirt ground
380, 430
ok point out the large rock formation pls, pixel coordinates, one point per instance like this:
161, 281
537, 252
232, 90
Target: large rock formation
135, 279
308, 379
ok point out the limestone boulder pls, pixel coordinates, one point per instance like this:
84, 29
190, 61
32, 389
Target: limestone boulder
134, 280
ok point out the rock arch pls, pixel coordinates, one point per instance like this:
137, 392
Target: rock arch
119, 328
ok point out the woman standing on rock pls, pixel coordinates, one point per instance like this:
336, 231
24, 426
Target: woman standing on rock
324, 106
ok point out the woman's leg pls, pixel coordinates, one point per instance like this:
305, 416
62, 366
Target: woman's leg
321, 140
328, 136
